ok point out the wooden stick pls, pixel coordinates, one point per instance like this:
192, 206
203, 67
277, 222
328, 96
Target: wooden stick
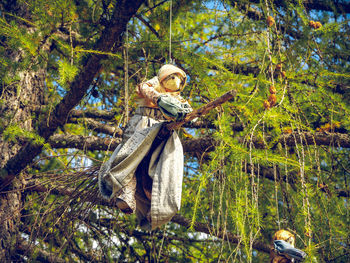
202, 110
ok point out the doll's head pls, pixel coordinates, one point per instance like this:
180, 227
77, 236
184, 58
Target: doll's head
284, 250
284, 235
172, 78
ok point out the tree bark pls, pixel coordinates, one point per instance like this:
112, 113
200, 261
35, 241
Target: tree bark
18, 114
14, 113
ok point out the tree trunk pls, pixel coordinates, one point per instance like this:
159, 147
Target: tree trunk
15, 110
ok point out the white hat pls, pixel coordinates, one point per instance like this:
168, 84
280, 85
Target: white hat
169, 69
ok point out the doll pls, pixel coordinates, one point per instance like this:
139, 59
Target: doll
284, 250
145, 171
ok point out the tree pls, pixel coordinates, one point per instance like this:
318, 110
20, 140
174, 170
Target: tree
277, 156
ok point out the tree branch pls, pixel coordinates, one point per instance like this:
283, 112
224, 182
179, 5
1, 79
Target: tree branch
338, 6
196, 147
330, 6
93, 113
318, 138
92, 143
269, 173
201, 145
80, 142
306, 138
98, 126
148, 25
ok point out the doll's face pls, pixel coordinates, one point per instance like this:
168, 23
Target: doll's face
172, 82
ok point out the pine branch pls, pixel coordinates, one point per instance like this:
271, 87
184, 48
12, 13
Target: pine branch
334, 139
38, 187
26, 249
148, 25
199, 145
92, 143
196, 147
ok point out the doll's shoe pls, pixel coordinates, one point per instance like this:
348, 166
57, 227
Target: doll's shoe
145, 222
126, 201
124, 207
147, 186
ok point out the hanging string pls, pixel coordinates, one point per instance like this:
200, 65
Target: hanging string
126, 76
170, 22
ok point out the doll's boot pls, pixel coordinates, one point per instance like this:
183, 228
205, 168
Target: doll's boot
126, 200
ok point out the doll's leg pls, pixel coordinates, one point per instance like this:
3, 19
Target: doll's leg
126, 200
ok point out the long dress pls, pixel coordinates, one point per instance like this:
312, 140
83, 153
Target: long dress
135, 160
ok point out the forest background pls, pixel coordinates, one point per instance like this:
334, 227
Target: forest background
254, 165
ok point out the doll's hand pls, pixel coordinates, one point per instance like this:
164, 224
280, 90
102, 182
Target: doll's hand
173, 108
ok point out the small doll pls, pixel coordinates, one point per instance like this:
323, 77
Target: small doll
284, 250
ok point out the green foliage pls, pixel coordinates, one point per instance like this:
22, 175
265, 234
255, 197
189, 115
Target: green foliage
14, 133
67, 72
255, 181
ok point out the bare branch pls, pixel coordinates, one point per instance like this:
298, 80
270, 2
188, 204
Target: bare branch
318, 138
90, 143
200, 145
93, 113
306, 138
98, 126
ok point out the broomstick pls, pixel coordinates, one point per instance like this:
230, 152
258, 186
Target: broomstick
168, 128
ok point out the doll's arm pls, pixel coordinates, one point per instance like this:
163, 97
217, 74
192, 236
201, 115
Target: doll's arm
148, 91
